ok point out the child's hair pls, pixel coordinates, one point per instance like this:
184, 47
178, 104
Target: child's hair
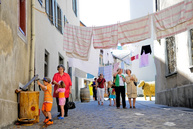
62, 85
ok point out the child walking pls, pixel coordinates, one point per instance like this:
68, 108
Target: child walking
62, 100
112, 95
47, 105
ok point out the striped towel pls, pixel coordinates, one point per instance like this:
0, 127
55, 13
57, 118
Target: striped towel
105, 37
77, 41
134, 30
174, 19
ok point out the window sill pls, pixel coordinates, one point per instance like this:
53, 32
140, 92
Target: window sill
171, 74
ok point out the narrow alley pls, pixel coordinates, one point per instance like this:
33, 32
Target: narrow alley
147, 115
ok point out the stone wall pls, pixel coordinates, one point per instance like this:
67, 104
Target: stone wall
14, 58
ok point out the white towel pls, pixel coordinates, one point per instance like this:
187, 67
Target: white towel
134, 30
107, 56
174, 19
77, 41
105, 37
108, 73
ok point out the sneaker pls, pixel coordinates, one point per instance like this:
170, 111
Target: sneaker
60, 118
46, 120
49, 122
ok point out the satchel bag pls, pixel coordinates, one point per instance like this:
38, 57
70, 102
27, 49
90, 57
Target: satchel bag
71, 104
135, 83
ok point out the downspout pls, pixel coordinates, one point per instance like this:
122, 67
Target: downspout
32, 58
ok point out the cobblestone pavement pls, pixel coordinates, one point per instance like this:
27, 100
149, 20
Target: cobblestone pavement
147, 115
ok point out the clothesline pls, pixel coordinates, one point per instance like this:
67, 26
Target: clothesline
167, 22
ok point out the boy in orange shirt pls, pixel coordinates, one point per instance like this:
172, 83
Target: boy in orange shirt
47, 105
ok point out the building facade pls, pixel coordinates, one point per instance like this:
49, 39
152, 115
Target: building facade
173, 59
15, 55
50, 19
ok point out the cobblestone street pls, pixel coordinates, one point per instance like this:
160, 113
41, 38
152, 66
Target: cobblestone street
147, 115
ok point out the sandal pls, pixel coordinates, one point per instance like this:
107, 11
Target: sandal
109, 104
102, 104
98, 103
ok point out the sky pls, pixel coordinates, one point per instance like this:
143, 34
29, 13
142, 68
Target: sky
103, 12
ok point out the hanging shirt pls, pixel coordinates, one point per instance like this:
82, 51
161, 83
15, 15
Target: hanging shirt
146, 49
144, 60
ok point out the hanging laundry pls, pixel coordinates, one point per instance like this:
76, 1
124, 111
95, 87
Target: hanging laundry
134, 30
77, 41
115, 67
101, 71
108, 73
107, 56
105, 37
127, 61
119, 48
146, 49
174, 19
144, 60
122, 65
137, 56
132, 58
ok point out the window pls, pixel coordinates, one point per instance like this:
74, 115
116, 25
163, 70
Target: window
22, 16
171, 55
46, 60
50, 10
55, 14
41, 2
74, 6
61, 59
60, 24
191, 47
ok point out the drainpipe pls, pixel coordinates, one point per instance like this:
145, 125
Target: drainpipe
32, 57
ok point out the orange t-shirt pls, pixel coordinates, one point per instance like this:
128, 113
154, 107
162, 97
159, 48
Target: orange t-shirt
48, 94
61, 93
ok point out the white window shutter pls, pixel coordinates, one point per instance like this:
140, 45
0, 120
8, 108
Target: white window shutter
47, 7
62, 22
53, 12
56, 13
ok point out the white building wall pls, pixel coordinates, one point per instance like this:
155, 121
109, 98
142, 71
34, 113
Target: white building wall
176, 89
48, 37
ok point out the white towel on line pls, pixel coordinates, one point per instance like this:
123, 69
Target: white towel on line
77, 41
135, 30
105, 37
174, 19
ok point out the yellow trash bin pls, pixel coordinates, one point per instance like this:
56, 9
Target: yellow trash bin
29, 106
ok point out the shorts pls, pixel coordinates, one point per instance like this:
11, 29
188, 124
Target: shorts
62, 101
47, 107
112, 96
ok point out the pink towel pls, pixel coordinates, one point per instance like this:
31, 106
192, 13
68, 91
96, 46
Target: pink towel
77, 41
174, 19
134, 30
105, 37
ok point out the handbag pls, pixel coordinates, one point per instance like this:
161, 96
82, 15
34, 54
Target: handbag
135, 83
71, 104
